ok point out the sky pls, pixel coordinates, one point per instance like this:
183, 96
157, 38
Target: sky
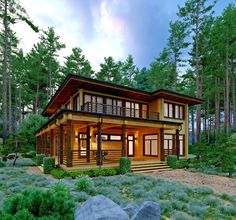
103, 28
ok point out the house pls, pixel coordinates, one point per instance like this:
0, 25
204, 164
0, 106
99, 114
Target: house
92, 122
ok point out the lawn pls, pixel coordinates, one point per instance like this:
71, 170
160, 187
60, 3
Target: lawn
177, 201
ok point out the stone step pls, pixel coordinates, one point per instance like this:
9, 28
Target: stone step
152, 170
148, 165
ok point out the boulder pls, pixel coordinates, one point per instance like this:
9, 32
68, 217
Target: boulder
148, 211
100, 207
131, 209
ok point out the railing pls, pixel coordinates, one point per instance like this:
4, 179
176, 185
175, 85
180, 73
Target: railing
118, 110
83, 157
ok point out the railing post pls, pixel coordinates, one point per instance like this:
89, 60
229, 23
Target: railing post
123, 136
162, 144
88, 143
177, 143
99, 144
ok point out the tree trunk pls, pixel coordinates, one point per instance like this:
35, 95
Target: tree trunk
233, 96
192, 125
226, 110
20, 106
5, 73
217, 107
9, 105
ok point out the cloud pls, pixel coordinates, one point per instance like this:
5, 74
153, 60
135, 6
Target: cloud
104, 28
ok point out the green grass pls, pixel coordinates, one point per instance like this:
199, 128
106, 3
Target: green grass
177, 200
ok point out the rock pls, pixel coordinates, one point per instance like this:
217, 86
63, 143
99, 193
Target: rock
131, 209
100, 207
148, 211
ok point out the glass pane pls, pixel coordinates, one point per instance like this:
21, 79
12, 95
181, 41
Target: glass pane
181, 148
150, 137
181, 137
130, 137
78, 105
87, 98
144, 110
115, 137
104, 137
170, 110
176, 111
127, 104
131, 145
165, 109
147, 147
168, 136
170, 144
154, 147
165, 144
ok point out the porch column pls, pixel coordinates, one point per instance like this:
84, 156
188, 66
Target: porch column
177, 142
123, 137
51, 142
99, 144
162, 144
69, 144
88, 143
60, 144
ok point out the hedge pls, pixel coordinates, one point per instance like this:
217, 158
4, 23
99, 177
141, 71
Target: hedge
125, 165
172, 161
39, 159
48, 164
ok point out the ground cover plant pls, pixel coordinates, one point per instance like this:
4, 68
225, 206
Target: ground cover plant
177, 201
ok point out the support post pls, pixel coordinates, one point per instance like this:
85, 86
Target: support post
99, 144
88, 143
177, 142
123, 140
60, 144
51, 143
69, 144
162, 144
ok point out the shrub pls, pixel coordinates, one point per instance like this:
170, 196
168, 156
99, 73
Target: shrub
48, 164
36, 204
181, 164
29, 154
2, 164
58, 173
125, 165
39, 159
84, 184
172, 161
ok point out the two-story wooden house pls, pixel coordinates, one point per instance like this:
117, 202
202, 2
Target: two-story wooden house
95, 123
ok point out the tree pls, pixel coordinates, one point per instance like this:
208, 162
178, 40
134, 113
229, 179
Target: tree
176, 42
194, 13
110, 71
76, 63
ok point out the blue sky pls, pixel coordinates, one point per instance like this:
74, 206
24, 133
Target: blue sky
106, 27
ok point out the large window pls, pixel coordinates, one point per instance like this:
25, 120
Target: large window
170, 144
82, 144
151, 145
172, 110
93, 103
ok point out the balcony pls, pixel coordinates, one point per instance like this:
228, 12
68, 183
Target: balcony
119, 111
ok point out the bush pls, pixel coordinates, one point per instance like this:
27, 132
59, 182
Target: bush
58, 173
39, 159
2, 164
125, 165
84, 184
172, 161
48, 164
181, 164
56, 203
29, 154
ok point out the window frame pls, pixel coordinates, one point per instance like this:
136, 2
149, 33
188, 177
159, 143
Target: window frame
174, 110
150, 141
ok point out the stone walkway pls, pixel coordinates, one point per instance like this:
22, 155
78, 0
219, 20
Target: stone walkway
218, 183
36, 170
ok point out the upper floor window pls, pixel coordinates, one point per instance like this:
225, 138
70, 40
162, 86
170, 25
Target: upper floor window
172, 110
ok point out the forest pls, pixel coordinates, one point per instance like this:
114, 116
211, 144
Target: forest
199, 60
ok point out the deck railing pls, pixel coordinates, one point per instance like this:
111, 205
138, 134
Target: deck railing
82, 157
118, 110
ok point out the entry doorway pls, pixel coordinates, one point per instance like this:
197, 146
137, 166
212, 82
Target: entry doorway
130, 145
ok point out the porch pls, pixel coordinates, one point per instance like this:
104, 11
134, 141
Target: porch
90, 144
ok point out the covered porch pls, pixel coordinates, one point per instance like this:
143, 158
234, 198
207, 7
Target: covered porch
102, 142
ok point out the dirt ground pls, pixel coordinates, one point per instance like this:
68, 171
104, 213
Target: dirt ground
217, 183
36, 170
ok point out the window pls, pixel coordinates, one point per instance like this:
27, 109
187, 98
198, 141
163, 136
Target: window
132, 109
110, 137
172, 110
181, 145
76, 103
93, 103
168, 142
144, 111
130, 143
151, 145
115, 137
82, 144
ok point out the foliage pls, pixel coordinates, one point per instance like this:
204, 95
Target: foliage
181, 164
48, 164
58, 173
39, 159
125, 165
55, 203
172, 161
30, 126
84, 184
2, 164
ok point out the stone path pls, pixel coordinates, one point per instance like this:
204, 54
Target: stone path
218, 183
36, 170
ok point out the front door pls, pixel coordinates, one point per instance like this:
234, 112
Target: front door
130, 145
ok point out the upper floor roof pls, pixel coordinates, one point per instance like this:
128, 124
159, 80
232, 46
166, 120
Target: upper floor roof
73, 83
